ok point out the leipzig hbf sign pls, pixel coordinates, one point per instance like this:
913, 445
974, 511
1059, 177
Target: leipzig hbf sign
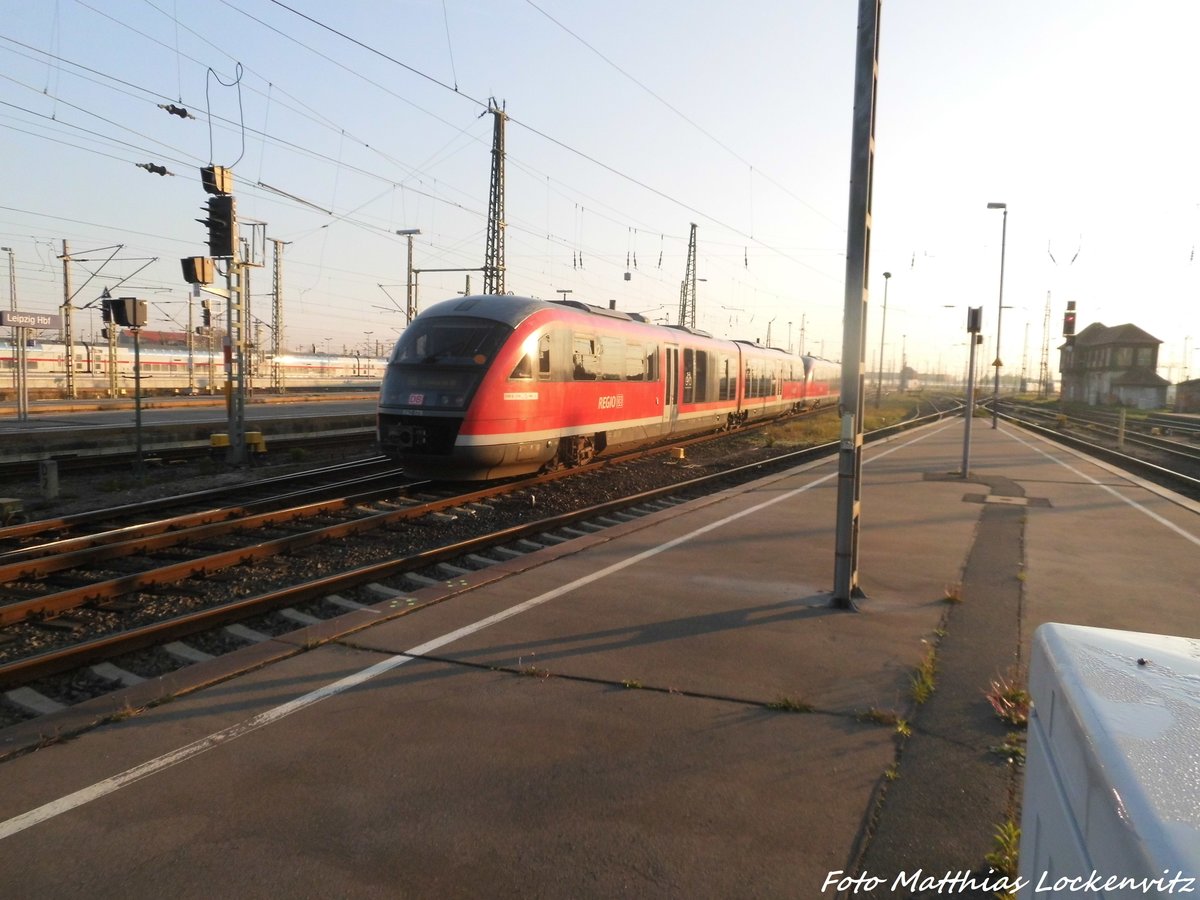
29, 320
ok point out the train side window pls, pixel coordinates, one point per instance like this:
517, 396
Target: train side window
523, 369
754, 379
689, 375
701, 376
612, 358
635, 363
651, 362
585, 361
544, 357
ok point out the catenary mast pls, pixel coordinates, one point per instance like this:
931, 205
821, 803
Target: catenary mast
493, 263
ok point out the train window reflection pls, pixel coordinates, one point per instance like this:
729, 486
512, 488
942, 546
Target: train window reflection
544, 356
457, 340
585, 361
523, 368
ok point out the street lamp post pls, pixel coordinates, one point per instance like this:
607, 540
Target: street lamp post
409, 311
999, 314
887, 277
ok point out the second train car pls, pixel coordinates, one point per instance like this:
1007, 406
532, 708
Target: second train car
487, 387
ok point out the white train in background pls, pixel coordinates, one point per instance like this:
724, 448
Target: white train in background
168, 369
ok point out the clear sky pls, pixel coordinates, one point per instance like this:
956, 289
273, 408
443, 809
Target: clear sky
629, 120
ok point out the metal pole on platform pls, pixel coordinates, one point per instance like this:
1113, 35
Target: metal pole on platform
138, 467
999, 313
974, 320
854, 320
887, 277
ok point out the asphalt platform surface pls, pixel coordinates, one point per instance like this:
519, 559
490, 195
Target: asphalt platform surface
668, 708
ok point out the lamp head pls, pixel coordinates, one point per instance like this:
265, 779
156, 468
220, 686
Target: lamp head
997, 206
408, 231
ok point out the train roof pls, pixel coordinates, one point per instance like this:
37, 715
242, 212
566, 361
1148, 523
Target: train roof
512, 310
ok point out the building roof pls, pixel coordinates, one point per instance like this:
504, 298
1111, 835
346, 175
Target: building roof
1139, 377
1098, 335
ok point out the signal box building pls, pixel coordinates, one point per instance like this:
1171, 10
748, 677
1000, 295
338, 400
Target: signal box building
1187, 396
1112, 366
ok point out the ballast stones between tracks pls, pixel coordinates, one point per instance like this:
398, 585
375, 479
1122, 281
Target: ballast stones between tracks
35, 703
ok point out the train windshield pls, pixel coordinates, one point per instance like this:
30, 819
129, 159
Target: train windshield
450, 340
439, 362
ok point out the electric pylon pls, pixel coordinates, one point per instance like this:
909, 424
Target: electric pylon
687, 291
493, 263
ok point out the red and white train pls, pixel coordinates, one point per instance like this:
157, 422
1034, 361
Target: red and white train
172, 370
490, 386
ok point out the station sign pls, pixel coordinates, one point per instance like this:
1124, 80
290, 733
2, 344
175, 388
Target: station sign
17, 319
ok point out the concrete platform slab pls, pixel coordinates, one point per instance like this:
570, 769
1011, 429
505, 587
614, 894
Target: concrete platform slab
598, 721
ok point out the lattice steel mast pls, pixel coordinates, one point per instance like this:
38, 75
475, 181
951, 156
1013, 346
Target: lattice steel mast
1044, 386
687, 290
493, 263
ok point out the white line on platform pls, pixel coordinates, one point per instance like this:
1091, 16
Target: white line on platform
1149, 512
111, 785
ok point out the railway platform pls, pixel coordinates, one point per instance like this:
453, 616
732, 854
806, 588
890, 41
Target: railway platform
666, 708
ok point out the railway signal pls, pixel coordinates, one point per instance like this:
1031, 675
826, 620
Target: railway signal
128, 312
222, 226
221, 222
198, 270
224, 243
1069, 322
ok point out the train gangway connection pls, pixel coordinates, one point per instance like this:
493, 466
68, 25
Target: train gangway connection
666, 708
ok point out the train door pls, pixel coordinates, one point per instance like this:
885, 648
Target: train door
671, 387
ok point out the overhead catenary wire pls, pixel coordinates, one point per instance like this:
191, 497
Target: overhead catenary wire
440, 188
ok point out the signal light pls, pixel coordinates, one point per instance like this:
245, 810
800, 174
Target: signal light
217, 180
222, 226
974, 319
1069, 320
198, 270
206, 313
128, 312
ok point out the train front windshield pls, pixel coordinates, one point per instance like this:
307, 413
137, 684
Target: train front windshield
438, 362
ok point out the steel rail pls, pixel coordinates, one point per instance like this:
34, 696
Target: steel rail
62, 523
1122, 460
249, 514
53, 662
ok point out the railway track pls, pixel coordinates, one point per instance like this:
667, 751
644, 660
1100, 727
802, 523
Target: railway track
95, 612
1173, 463
103, 460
